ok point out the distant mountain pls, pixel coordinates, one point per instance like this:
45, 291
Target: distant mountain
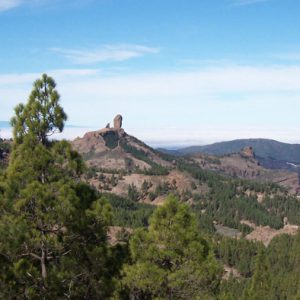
269, 150
171, 151
247, 166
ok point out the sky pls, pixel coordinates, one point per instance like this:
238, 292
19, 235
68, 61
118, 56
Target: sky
180, 72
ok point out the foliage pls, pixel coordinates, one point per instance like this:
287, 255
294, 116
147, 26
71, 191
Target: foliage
111, 139
139, 154
271, 273
260, 283
5, 146
133, 193
52, 226
238, 254
228, 203
198, 173
42, 116
285, 206
127, 213
163, 188
5, 149
230, 209
171, 260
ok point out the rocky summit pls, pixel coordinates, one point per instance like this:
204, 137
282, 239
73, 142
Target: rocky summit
112, 148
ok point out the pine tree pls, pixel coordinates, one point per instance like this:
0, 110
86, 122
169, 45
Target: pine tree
260, 284
52, 226
42, 116
171, 260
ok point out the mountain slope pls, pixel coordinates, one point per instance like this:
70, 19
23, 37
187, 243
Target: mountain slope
224, 191
264, 148
247, 166
113, 148
121, 163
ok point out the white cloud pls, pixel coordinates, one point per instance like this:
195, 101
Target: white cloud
9, 4
206, 81
15, 88
29, 78
106, 53
208, 104
248, 2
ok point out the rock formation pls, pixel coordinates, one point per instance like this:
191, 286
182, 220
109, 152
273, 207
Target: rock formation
118, 122
248, 152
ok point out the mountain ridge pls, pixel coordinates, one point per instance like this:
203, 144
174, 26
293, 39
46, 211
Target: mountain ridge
111, 150
271, 153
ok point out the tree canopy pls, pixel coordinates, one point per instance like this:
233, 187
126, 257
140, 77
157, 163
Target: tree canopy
42, 116
52, 226
170, 259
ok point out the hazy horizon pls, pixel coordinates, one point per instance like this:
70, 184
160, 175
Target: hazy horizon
178, 71
172, 142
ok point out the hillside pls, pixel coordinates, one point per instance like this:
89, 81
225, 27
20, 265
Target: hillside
119, 161
245, 164
112, 151
223, 191
271, 154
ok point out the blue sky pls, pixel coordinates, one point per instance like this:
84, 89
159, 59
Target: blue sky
179, 71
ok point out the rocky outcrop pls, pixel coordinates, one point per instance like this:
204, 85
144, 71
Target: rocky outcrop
117, 130
118, 122
112, 148
248, 152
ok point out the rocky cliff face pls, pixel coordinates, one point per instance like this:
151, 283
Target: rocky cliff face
113, 148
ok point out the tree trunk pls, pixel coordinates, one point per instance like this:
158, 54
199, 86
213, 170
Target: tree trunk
43, 264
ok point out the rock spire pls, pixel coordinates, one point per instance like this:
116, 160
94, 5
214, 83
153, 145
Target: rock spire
118, 122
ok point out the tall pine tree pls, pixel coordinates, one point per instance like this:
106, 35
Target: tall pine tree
52, 226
